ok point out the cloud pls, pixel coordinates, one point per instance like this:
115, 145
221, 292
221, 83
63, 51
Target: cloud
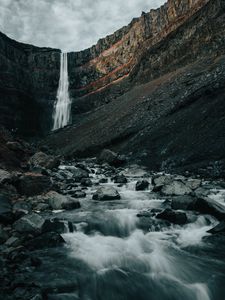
68, 24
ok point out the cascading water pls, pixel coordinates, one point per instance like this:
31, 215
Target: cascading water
61, 114
115, 255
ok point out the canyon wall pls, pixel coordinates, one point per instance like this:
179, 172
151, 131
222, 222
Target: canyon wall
29, 75
173, 116
28, 84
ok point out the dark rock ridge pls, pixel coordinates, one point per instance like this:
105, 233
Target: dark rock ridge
29, 75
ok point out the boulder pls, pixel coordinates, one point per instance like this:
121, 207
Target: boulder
74, 204
40, 159
42, 206
185, 202
106, 193
45, 240
202, 192
112, 158
21, 208
193, 183
142, 185
86, 182
6, 215
175, 188
211, 207
31, 184
174, 217
53, 225
103, 180
77, 173
31, 223
4, 176
219, 228
162, 180
120, 179
57, 201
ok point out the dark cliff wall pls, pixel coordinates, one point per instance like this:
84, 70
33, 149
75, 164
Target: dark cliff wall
28, 83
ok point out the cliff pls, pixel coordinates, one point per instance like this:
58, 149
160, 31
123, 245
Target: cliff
29, 75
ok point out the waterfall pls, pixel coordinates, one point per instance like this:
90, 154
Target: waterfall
61, 114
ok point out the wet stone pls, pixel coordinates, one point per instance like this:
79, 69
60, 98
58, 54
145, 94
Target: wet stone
31, 223
142, 185
179, 218
106, 193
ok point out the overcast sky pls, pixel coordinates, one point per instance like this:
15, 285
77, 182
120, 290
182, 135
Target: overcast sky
68, 24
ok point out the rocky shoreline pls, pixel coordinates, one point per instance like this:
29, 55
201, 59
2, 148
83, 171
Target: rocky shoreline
30, 198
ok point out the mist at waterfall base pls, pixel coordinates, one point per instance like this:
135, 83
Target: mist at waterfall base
61, 113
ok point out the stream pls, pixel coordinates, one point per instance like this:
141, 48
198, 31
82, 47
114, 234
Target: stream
116, 255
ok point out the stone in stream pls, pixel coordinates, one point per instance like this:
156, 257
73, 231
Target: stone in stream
185, 202
202, 191
120, 179
142, 185
77, 193
53, 225
31, 184
176, 188
40, 159
57, 201
219, 228
86, 182
78, 173
161, 180
193, 183
103, 180
31, 223
106, 193
6, 215
174, 217
45, 240
211, 207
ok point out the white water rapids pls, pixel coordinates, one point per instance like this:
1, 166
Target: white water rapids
61, 114
115, 255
